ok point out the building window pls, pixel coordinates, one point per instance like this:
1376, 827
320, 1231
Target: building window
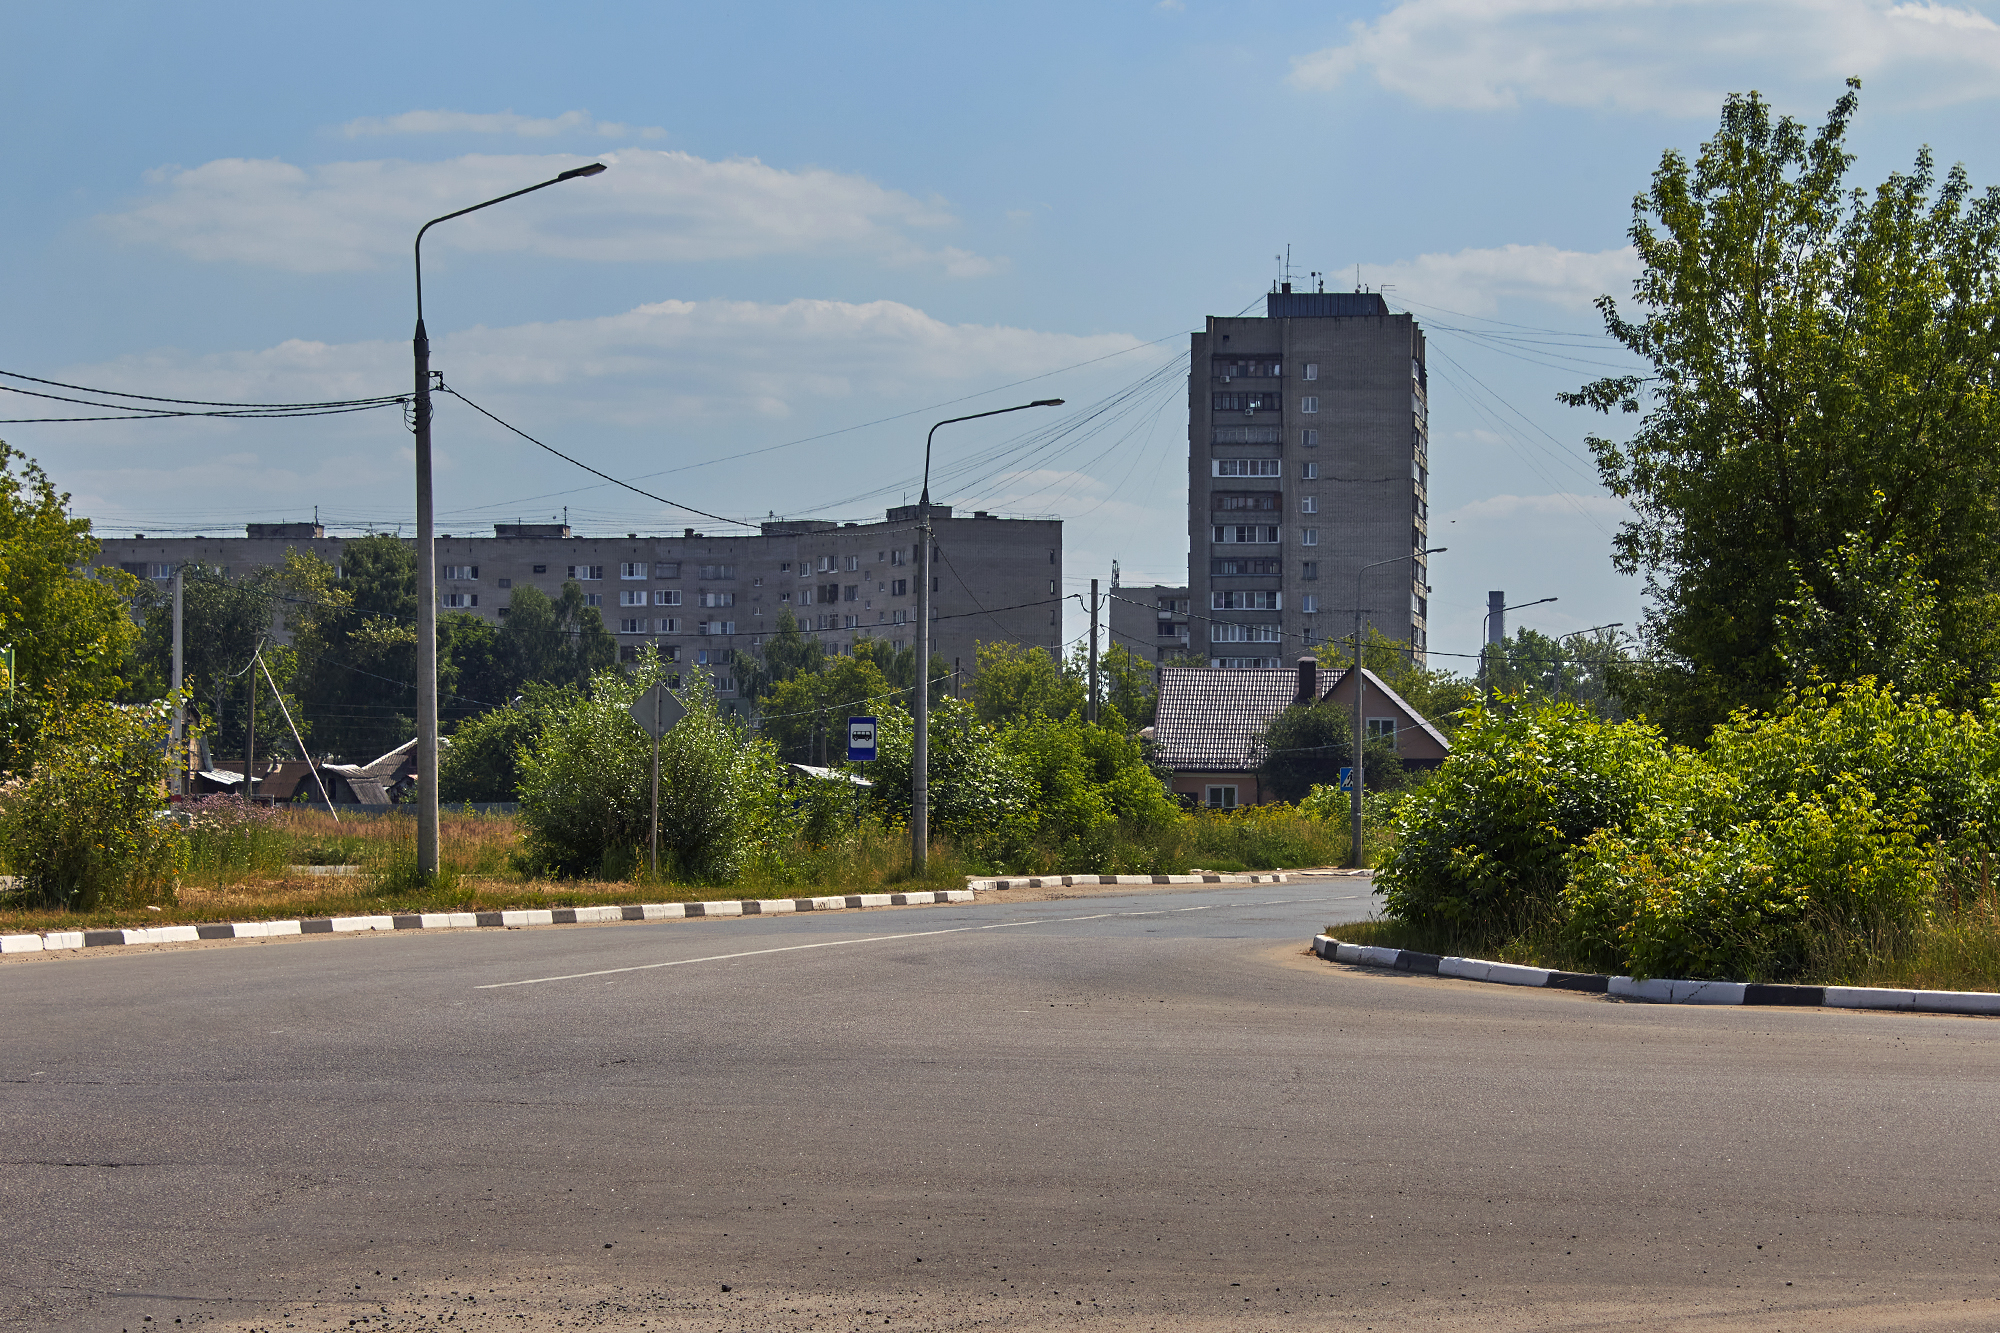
593, 599
1222, 798
1419, 606
1309, 403
851, 593
670, 626
162, 572
631, 627
848, 622
1243, 634
666, 597
1238, 567
541, 569
1309, 570
901, 557
666, 569
1309, 537
460, 601
1052, 557
634, 570
718, 599
718, 571
1245, 402
825, 563
506, 583
718, 627
1312, 370
1309, 504
461, 573
900, 618
1309, 437
714, 656
1252, 600
585, 573
853, 563
1309, 603
632, 597
1258, 533
899, 587
1245, 663
1253, 369
1246, 467
1309, 471
1383, 728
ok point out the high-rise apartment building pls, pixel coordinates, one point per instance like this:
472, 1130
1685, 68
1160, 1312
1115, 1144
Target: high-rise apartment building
1307, 468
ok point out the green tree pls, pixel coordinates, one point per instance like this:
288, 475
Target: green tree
806, 715
553, 641
786, 653
1809, 351
70, 631
1129, 684
483, 762
1307, 745
1577, 668
1016, 682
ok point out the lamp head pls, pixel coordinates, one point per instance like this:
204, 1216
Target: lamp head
594, 169
1046, 402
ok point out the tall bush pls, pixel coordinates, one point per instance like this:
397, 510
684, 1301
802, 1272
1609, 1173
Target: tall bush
86, 829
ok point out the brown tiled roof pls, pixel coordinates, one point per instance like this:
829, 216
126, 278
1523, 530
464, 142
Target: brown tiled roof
1210, 721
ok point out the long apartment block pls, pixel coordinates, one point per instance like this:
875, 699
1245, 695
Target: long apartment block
1307, 474
704, 598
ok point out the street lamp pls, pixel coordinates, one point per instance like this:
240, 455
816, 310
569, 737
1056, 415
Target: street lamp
427, 704
920, 750
1360, 687
1485, 623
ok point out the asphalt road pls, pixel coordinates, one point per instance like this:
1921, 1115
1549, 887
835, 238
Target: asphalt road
1115, 1112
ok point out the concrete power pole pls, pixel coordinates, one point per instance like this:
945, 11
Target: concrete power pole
920, 747
179, 780
1093, 652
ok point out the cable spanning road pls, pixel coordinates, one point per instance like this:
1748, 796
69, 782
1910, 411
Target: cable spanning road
1144, 1109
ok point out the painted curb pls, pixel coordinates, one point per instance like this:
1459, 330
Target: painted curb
1660, 990
543, 916
1068, 881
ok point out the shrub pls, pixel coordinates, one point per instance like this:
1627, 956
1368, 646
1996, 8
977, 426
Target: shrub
1482, 843
979, 793
87, 827
229, 840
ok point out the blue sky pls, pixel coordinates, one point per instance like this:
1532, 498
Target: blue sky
828, 221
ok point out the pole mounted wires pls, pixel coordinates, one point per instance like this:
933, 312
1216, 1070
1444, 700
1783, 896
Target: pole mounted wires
115, 405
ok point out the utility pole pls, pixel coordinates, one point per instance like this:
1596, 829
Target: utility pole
250, 743
179, 787
1093, 652
1354, 799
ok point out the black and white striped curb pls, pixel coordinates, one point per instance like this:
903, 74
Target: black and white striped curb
1068, 881
537, 916
1660, 990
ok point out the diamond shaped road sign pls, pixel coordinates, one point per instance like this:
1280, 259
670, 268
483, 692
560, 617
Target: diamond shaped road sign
657, 710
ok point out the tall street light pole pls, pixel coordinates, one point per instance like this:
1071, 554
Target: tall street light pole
920, 749
427, 701
1360, 689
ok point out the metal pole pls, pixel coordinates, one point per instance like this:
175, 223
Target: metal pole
1093, 652
655, 857
427, 704
1360, 744
920, 751
180, 705
250, 744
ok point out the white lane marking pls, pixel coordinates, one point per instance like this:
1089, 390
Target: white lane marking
872, 939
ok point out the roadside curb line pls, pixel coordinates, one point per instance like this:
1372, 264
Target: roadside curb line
538, 916
1659, 990
1069, 881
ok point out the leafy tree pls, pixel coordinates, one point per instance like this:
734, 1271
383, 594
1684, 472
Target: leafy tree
1088, 783
1821, 381
70, 631
483, 761
1129, 684
1437, 693
1307, 745
806, 716
1576, 668
786, 653
1016, 682
554, 641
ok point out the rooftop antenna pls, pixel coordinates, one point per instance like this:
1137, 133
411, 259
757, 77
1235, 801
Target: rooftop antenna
1357, 277
1114, 574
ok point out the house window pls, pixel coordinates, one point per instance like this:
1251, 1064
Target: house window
1309, 471
1309, 437
899, 587
1309, 570
1312, 370
1383, 728
1309, 504
1309, 403
1245, 467
666, 569
461, 573
593, 599
586, 573
670, 626
1309, 603
1309, 537
718, 571
1222, 798
632, 597
634, 570
631, 627
718, 599
460, 601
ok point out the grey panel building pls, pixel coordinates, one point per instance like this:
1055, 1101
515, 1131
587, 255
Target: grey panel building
1152, 621
705, 599
1307, 464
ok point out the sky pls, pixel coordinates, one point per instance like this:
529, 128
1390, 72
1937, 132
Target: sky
825, 227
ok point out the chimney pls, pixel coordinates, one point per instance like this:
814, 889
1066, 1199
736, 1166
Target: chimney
1308, 681
1496, 617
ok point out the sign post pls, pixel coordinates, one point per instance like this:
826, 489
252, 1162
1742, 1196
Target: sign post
657, 710
860, 749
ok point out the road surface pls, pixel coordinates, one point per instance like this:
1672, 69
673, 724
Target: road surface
1136, 1110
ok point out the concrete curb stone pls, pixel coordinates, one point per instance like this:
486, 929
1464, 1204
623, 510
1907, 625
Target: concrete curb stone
541, 916
1661, 990
1070, 881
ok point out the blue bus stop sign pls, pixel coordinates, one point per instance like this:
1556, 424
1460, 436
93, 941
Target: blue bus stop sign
860, 739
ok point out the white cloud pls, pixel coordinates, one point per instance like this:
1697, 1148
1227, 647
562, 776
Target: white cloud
496, 122
1479, 281
1679, 57
1558, 504
651, 206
